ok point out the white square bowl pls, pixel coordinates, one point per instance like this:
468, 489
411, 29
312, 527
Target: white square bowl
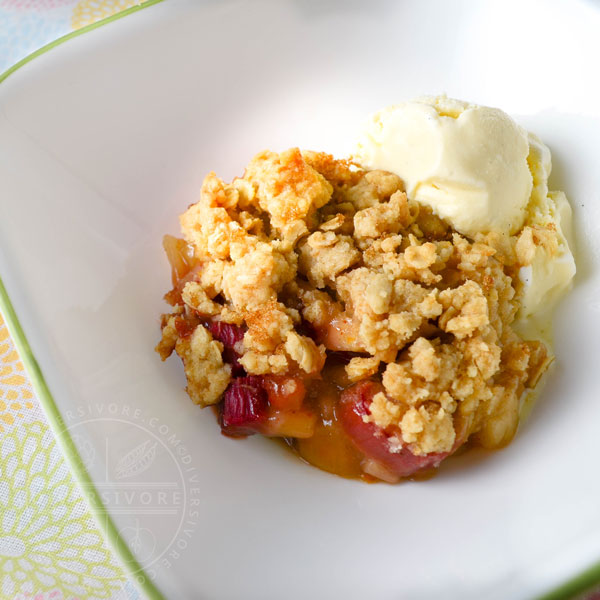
106, 139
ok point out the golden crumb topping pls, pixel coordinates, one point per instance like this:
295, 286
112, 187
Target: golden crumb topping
207, 376
312, 255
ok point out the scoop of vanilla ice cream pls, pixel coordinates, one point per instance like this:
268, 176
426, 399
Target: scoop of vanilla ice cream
549, 273
482, 172
468, 162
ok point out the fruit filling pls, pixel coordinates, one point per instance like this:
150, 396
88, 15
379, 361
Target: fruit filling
313, 301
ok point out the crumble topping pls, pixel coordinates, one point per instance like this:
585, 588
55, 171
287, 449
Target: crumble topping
207, 376
360, 368
194, 295
324, 255
312, 255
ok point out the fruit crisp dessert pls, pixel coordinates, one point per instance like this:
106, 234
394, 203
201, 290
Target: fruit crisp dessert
314, 301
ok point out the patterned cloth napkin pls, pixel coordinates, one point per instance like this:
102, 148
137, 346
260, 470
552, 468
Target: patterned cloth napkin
50, 547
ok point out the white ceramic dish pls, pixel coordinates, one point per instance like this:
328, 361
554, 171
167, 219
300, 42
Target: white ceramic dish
106, 139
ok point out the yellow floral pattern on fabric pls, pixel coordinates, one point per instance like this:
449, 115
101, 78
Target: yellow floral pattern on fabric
15, 392
90, 11
48, 539
50, 546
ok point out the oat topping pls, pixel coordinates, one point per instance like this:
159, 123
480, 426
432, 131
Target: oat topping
312, 256
360, 368
207, 376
